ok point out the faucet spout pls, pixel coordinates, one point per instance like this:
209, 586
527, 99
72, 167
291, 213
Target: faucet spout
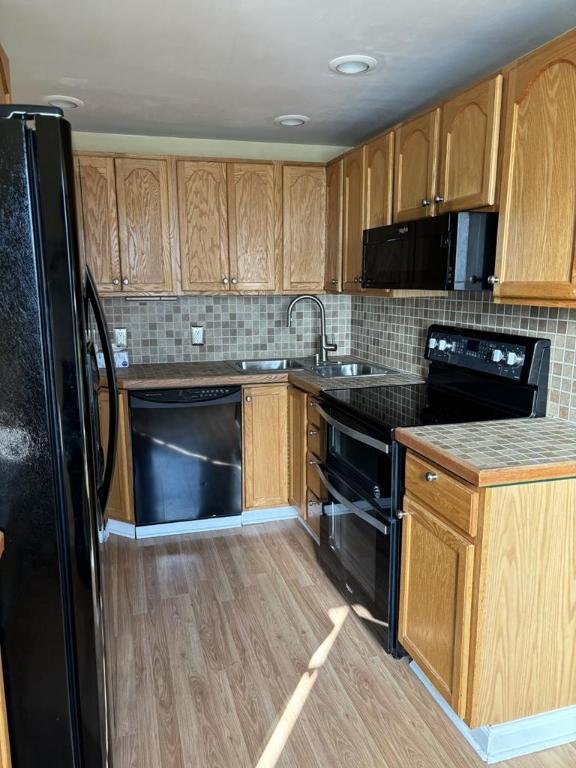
325, 347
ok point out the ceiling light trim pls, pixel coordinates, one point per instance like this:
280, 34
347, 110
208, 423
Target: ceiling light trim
353, 64
291, 121
64, 102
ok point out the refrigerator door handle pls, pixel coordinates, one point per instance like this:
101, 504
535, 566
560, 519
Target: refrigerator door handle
94, 302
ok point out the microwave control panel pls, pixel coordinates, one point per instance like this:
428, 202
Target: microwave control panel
504, 359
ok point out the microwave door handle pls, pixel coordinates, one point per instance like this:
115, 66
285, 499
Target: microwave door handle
353, 433
350, 505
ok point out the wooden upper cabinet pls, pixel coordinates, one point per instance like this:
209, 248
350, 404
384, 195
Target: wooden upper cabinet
304, 227
334, 196
436, 601
536, 258
252, 219
469, 147
144, 224
5, 87
416, 167
97, 218
353, 227
203, 225
379, 180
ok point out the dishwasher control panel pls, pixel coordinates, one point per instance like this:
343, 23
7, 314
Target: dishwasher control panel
185, 395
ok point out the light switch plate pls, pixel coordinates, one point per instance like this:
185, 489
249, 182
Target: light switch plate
197, 332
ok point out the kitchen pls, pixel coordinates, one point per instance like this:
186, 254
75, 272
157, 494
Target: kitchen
291, 491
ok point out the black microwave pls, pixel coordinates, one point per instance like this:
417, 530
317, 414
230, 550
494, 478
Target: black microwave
454, 251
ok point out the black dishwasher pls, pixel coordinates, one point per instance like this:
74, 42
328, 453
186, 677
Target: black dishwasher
187, 454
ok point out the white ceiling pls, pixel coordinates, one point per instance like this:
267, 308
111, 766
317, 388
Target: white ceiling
224, 68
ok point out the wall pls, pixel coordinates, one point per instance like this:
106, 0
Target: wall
236, 327
393, 332
170, 145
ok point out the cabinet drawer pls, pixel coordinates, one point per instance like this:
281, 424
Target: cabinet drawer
313, 415
313, 512
315, 440
451, 499
313, 482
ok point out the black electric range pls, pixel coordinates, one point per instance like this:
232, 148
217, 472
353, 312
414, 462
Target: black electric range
473, 376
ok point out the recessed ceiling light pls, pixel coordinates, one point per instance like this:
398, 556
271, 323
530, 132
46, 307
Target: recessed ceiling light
354, 64
291, 121
64, 102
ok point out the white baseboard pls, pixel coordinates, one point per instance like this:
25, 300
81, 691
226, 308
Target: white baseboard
495, 743
188, 526
268, 515
309, 530
119, 528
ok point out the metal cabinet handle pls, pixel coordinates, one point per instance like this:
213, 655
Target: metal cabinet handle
430, 477
125, 281
400, 515
248, 398
225, 280
438, 199
116, 281
492, 280
234, 281
311, 404
426, 202
355, 279
334, 281
313, 462
312, 432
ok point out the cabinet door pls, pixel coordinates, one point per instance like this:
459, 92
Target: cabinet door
436, 600
203, 226
265, 446
536, 254
469, 147
353, 219
120, 502
144, 224
252, 217
416, 167
334, 190
304, 226
97, 220
379, 177
297, 448
5, 88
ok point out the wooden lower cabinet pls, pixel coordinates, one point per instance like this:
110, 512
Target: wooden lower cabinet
490, 618
121, 500
265, 446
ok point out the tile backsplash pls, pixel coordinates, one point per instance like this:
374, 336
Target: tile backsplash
235, 327
393, 332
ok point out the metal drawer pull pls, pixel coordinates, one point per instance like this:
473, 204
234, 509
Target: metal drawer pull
438, 199
426, 202
248, 398
430, 477
400, 515
312, 432
313, 462
493, 280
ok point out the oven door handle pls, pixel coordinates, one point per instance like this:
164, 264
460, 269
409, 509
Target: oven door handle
353, 433
350, 504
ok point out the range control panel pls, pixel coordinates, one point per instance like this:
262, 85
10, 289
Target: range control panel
500, 355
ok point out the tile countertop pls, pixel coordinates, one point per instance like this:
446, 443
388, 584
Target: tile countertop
498, 452
160, 375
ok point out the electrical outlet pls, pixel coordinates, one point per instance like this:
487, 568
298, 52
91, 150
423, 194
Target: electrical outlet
120, 337
197, 335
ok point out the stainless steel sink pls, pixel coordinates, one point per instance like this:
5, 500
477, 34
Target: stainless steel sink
342, 370
262, 366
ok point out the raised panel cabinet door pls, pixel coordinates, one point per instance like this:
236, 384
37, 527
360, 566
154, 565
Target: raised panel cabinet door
304, 227
98, 220
265, 446
120, 502
436, 601
297, 419
252, 218
469, 147
144, 202
536, 252
334, 198
5, 87
353, 220
415, 168
203, 225
379, 179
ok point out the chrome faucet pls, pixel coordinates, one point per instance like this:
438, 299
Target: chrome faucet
325, 347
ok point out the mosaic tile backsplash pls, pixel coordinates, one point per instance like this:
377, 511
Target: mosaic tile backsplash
393, 332
236, 327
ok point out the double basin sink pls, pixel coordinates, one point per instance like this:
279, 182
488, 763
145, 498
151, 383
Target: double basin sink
327, 370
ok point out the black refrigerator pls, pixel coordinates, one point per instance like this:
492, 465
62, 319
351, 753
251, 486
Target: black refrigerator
54, 474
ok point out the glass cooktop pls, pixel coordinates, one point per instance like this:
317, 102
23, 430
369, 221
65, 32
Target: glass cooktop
401, 405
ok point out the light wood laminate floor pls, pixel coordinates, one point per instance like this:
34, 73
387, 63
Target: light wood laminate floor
233, 650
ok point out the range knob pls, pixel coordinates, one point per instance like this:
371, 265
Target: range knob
445, 345
497, 355
433, 343
512, 358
